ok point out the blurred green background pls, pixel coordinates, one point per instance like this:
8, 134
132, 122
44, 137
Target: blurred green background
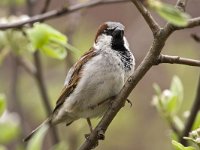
139, 127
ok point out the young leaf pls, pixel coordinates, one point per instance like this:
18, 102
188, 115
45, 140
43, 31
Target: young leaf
36, 142
177, 89
2, 103
179, 146
9, 131
157, 88
48, 40
178, 122
17, 41
169, 13
196, 124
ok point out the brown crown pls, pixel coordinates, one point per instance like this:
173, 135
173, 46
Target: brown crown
100, 30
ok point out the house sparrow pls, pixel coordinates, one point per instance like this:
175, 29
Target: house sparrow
98, 76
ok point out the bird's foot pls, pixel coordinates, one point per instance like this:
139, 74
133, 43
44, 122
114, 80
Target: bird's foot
101, 135
87, 138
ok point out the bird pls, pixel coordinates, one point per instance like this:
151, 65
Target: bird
94, 79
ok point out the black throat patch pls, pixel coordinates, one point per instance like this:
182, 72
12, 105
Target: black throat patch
125, 55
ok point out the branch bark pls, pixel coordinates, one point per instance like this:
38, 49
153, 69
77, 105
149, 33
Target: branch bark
150, 59
119, 101
153, 25
28, 66
38, 75
43, 91
177, 60
56, 13
194, 110
194, 22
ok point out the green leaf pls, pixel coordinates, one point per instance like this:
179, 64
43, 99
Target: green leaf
36, 142
48, 40
171, 106
169, 13
56, 52
157, 88
177, 89
17, 41
196, 123
2, 103
178, 123
9, 131
179, 146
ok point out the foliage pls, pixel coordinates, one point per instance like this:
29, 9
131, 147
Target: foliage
168, 103
48, 40
9, 123
40, 37
169, 12
179, 146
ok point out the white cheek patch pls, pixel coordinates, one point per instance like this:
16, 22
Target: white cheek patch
103, 41
126, 45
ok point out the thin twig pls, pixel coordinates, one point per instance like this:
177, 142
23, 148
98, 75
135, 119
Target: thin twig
155, 28
149, 60
177, 60
60, 12
181, 4
15, 99
194, 111
46, 6
27, 65
195, 37
194, 22
39, 75
43, 92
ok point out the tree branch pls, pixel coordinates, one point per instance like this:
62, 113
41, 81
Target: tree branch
194, 22
56, 13
177, 60
46, 6
149, 60
43, 92
38, 75
28, 66
195, 37
153, 25
194, 111
120, 99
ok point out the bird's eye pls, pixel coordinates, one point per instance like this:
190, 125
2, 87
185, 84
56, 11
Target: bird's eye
104, 31
110, 31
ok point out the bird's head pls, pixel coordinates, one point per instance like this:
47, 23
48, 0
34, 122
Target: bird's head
111, 34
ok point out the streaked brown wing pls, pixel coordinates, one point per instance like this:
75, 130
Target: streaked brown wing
75, 77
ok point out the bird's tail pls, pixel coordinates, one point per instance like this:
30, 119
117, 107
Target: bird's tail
46, 122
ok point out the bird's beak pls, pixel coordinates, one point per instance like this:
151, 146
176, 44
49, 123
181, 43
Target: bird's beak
118, 33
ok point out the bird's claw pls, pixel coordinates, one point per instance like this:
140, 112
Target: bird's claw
87, 138
129, 102
101, 135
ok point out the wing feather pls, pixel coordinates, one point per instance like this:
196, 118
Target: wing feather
74, 77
